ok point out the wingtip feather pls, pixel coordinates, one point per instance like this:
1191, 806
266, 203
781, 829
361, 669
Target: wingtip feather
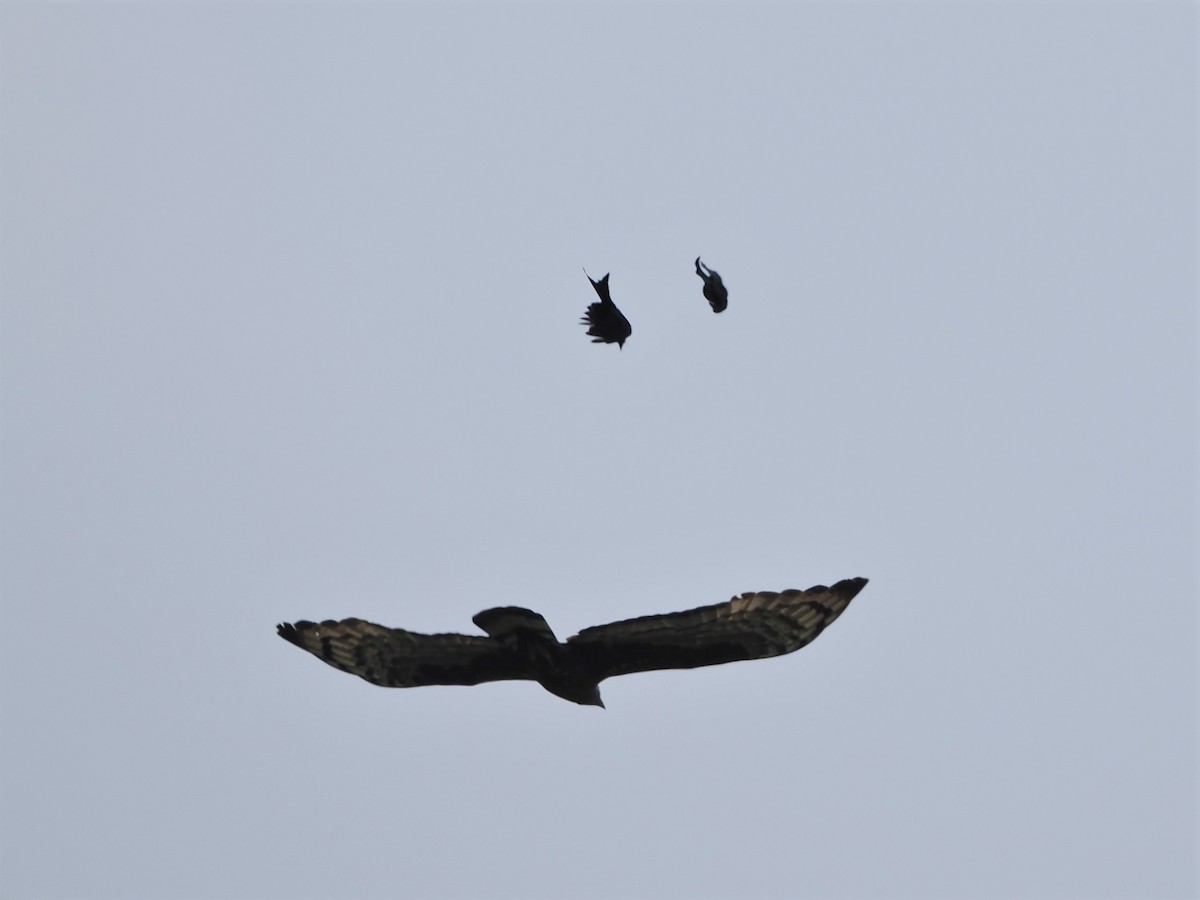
850, 587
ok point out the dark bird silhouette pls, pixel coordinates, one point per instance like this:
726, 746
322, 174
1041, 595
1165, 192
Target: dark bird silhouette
607, 324
520, 645
714, 288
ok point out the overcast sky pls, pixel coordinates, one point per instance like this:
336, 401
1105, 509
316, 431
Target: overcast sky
290, 330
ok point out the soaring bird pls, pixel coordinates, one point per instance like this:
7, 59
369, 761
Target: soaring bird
607, 324
714, 289
520, 645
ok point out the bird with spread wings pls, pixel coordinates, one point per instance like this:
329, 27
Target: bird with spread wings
520, 645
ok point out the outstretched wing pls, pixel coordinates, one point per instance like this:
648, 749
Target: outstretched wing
752, 626
392, 657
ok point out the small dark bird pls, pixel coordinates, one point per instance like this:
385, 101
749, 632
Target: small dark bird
520, 645
714, 288
607, 324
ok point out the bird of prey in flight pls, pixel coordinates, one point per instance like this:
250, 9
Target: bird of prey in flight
606, 324
714, 289
520, 645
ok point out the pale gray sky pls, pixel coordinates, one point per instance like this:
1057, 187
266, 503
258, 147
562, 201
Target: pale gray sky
290, 330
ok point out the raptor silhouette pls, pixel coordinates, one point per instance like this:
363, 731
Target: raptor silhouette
607, 324
714, 288
520, 645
